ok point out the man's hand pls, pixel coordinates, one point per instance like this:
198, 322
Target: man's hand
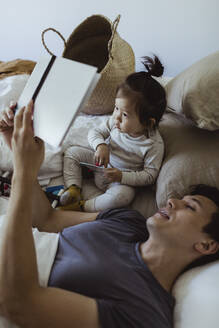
28, 152
113, 175
102, 155
7, 123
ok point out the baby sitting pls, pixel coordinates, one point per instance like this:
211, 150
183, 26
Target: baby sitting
128, 145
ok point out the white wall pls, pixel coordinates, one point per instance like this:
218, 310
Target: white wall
179, 32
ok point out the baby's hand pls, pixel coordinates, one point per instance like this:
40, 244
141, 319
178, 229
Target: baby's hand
113, 175
102, 155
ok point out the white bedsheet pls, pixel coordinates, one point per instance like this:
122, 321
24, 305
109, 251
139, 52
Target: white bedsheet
46, 247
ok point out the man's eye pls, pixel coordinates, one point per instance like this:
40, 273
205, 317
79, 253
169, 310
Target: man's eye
190, 207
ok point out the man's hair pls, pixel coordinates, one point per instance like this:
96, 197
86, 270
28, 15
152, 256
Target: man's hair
211, 228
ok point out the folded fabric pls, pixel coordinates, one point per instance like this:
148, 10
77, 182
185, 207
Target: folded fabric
15, 67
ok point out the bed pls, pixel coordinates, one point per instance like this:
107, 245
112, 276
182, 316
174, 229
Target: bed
190, 130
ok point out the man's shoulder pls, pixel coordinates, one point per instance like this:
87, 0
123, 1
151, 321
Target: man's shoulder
128, 223
122, 213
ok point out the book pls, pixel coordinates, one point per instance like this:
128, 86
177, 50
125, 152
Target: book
60, 88
93, 167
97, 168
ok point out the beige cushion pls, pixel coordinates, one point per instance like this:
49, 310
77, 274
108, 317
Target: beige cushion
191, 157
195, 93
145, 201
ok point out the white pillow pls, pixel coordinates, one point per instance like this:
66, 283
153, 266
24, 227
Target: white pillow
11, 88
197, 298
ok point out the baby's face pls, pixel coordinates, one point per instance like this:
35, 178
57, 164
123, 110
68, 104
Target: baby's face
126, 119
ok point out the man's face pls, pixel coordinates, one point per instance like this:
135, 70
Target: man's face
181, 221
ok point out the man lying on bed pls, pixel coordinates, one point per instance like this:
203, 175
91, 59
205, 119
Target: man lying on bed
114, 270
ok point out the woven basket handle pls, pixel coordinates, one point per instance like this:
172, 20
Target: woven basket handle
114, 27
43, 40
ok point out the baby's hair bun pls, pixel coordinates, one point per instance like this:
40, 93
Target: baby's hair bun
153, 65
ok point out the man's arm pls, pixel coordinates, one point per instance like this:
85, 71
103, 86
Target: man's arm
22, 300
46, 218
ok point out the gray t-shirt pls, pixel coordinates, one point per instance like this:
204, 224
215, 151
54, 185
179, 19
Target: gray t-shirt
101, 259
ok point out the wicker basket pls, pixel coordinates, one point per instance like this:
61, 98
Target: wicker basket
96, 42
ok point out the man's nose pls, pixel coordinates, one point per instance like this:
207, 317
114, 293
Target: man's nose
173, 202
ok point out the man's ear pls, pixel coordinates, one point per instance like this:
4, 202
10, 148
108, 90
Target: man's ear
207, 247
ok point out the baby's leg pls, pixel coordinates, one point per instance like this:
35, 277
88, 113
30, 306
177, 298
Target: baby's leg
72, 170
72, 174
116, 195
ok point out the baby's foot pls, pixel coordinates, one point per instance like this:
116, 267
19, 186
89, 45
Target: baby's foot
76, 206
70, 195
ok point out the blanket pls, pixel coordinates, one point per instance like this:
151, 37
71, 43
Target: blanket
46, 246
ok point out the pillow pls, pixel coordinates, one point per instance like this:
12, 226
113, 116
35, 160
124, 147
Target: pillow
197, 302
11, 88
191, 157
194, 93
145, 201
